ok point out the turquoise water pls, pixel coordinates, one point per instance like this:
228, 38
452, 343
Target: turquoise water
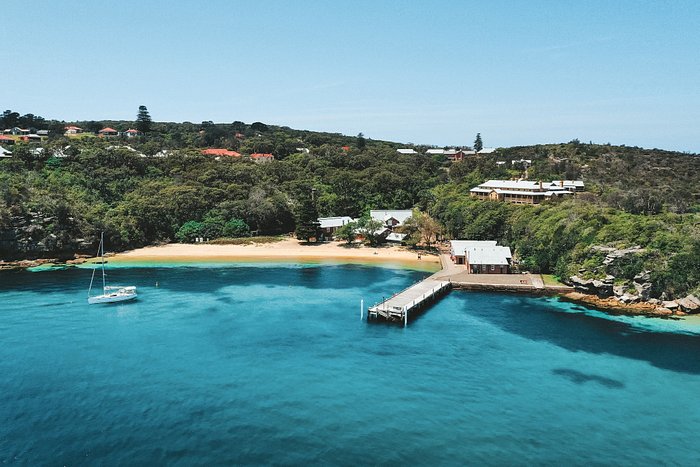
270, 364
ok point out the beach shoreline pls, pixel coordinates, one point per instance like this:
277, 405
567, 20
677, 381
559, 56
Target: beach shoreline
285, 250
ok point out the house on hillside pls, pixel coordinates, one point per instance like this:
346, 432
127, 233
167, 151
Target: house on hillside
481, 257
487, 151
391, 218
329, 225
6, 140
259, 157
43, 132
524, 163
132, 133
407, 151
220, 152
525, 191
108, 132
73, 130
4, 153
435, 152
456, 155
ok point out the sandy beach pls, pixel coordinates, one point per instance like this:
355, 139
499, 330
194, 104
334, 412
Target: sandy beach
286, 249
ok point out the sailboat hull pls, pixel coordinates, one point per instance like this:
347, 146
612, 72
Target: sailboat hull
112, 298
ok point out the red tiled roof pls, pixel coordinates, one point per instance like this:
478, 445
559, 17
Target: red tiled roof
108, 130
261, 156
73, 128
220, 152
6, 138
346, 148
131, 130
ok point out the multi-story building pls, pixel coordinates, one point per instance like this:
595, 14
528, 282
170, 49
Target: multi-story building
526, 191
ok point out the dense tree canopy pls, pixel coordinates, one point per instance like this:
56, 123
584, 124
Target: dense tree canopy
56, 195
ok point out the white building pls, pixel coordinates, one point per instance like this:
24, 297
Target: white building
481, 256
525, 191
391, 218
406, 151
330, 224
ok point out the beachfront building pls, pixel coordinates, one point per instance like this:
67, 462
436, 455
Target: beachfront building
525, 191
329, 225
391, 218
481, 256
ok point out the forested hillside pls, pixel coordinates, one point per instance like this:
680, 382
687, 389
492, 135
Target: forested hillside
56, 195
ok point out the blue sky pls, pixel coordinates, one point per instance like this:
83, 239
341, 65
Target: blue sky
433, 72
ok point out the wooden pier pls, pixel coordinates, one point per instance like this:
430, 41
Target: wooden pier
398, 307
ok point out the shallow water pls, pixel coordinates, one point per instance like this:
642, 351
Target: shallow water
271, 364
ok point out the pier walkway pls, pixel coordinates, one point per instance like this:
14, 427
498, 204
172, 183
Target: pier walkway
398, 307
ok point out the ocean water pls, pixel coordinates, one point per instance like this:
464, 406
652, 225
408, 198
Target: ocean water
271, 364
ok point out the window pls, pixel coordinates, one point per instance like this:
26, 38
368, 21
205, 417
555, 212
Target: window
493, 267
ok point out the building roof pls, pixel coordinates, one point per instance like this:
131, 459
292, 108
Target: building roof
6, 138
131, 130
435, 151
5, 153
395, 237
220, 152
406, 151
487, 151
108, 130
330, 222
511, 184
569, 183
73, 128
482, 252
261, 156
384, 215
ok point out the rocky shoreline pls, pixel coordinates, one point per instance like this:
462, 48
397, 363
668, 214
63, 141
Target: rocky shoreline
613, 306
32, 263
625, 295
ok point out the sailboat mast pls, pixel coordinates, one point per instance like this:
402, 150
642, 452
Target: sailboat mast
92, 279
104, 280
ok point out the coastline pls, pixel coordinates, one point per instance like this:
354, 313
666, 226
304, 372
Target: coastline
285, 250
613, 306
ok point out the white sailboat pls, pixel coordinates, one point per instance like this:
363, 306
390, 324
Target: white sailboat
110, 294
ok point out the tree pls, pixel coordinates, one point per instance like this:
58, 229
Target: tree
10, 119
478, 144
143, 120
188, 232
361, 141
420, 228
258, 126
307, 224
347, 232
371, 230
236, 228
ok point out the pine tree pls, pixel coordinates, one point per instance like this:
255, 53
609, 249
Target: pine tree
307, 225
478, 144
143, 120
